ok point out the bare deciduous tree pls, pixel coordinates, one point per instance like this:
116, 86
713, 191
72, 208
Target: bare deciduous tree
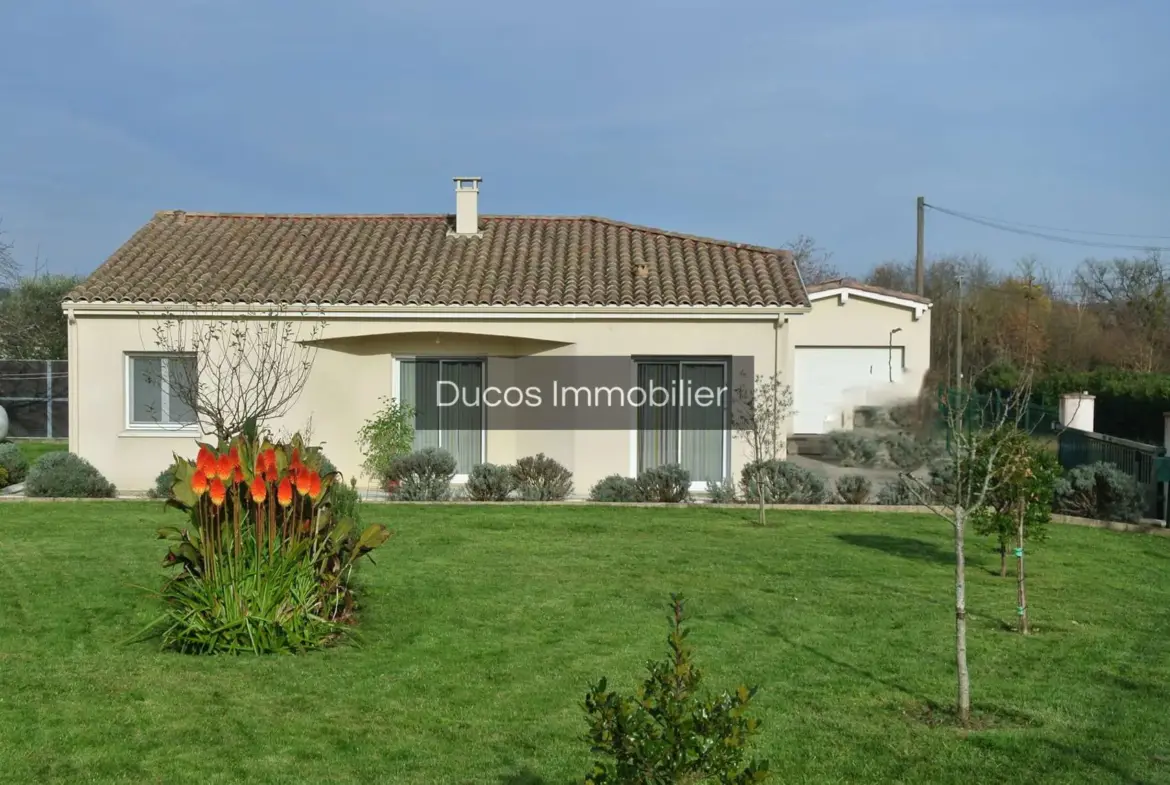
249, 369
814, 263
972, 472
760, 408
9, 268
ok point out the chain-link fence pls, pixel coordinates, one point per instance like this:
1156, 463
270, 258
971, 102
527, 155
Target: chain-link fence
35, 394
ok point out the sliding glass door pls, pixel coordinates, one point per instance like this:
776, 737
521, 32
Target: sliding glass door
690, 428
446, 396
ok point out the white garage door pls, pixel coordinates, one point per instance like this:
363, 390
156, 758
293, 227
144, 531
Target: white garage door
831, 380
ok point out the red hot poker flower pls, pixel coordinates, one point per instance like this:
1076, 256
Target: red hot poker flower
284, 493
205, 460
304, 482
223, 467
217, 492
314, 486
259, 490
199, 483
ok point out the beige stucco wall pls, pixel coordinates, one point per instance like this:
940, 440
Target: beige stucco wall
858, 321
353, 370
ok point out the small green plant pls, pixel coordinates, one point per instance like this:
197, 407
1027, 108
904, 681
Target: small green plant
539, 478
614, 488
13, 461
1101, 491
63, 475
854, 488
667, 484
422, 476
488, 482
3, 477
784, 483
667, 733
385, 437
722, 492
345, 501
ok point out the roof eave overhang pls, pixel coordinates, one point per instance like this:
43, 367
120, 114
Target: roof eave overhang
844, 293
463, 312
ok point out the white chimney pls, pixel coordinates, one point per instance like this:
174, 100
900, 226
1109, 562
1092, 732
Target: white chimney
467, 205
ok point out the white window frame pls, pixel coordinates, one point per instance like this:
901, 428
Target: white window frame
164, 373
396, 394
700, 485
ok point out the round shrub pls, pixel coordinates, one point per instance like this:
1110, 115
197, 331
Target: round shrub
541, 479
903, 451
163, 484
488, 482
854, 489
784, 483
668, 484
614, 488
12, 460
422, 476
897, 493
1101, 491
3, 477
721, 492
63, 475
852, 448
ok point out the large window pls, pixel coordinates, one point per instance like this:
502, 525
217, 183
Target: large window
156, 384
448, 411
691, 430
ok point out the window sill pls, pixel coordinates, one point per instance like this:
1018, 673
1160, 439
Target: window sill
160, 433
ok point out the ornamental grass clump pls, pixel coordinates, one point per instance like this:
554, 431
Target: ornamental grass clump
266, 562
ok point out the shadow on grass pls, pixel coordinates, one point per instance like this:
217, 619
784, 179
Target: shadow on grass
906, 547
528, 777
1079, 755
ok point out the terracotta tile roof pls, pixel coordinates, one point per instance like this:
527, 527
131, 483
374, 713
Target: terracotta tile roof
852, 283
416, 260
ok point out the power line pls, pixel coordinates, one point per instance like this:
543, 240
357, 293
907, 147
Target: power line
1056, 229
1016, 229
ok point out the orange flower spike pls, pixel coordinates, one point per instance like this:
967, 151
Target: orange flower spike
238, 474
284, 493
217, 491
199, 483
304, 482
205, 460
259, 490
223, 467
314, 486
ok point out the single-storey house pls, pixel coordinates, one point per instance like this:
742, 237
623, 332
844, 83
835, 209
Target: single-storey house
459, 300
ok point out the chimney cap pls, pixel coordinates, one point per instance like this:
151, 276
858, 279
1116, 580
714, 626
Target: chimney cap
467, 183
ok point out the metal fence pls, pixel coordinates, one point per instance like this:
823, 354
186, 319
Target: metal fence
35, 394
977, 411
1138, 460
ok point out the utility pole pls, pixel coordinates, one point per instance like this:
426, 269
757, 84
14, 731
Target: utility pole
959, 338
919, 259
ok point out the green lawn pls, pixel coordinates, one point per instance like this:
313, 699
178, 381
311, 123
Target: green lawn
483, 627
35, 448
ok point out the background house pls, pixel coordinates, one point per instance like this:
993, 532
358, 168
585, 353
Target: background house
464, 299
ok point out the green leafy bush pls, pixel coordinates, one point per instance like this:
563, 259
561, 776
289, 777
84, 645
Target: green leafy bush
903, 451
541, 479
162, 484
668, 484
63, 475
854, 489
12, 460
488, 482
784, 483
386, 437
1100, 491
3, 477
667, 733
897, 493
265, 563
345, 500
722, 492
614, 488
422, 476
852, 448
1022, 496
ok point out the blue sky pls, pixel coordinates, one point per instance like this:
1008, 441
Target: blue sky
753, 121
